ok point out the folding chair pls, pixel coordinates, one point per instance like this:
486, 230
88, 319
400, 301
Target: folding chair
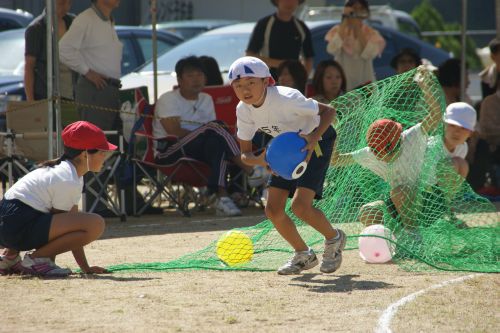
176, 180
108, 192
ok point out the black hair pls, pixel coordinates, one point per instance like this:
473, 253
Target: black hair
188, 63
69, 154
212, 71
297, 71
406, 51
449, 73
494, 45
319, 73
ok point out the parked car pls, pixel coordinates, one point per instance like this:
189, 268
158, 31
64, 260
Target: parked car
188, 29
380, 14
229, 43
14, 19
137, 49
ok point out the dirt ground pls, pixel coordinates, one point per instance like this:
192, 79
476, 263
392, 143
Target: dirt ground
351, 300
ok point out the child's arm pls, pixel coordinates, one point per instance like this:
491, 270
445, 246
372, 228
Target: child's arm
431, 121
81, 260
327, 116
341, 160
248, 157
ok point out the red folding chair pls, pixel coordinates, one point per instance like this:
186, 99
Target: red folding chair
225, 102
177, 179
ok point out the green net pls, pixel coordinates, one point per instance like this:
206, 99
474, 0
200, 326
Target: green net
438, 223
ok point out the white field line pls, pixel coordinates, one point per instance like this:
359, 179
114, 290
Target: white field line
385, 319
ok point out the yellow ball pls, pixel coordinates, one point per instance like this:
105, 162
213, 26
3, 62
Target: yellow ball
234, 248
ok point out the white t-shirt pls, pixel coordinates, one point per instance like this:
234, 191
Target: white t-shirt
92, 43
284, 110
172, 104
405, 170
46, 188
460, 150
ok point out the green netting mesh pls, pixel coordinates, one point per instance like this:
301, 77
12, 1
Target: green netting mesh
442, 224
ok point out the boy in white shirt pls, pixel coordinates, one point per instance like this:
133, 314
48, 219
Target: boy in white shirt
276, 110
396, 156
460, 121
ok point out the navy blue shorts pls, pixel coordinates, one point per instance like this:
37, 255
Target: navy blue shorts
317, 167
22, 227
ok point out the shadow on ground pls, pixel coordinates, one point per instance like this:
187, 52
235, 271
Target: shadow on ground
341, 284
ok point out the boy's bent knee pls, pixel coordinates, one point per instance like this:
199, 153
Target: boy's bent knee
273, 212
301, 209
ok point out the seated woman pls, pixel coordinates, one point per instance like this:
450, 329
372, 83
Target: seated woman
329, 81
291, 73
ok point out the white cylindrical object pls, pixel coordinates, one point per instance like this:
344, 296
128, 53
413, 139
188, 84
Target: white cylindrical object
299, 170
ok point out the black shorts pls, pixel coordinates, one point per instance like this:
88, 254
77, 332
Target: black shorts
433, 206
22, 227
317, 167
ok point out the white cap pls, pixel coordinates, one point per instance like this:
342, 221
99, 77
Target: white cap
461, 114
249, 67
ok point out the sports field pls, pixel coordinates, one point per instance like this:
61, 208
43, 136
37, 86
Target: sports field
357, 298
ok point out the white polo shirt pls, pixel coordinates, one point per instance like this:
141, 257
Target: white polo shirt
284, 110
45, 188
193, 113
406, 168
92, 43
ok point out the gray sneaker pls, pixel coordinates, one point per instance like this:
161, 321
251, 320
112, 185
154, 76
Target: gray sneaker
332, 257
42, 267
302, 260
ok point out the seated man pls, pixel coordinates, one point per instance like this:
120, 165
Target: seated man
189, 114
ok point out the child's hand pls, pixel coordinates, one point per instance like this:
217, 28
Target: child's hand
96, 270
422, 76
260, 157
312, 141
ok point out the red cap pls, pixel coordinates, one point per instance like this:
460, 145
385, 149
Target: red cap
383, 135
83, 135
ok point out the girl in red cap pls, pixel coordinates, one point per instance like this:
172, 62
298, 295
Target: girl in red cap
40, 212
395, 155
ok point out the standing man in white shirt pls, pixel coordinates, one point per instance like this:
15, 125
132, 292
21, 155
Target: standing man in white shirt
91, 48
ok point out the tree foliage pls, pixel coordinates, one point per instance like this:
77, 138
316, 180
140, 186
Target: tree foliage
430, 19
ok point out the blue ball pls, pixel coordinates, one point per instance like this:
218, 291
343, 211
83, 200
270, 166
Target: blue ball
285, 157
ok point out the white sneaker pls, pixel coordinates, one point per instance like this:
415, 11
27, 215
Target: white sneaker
43, 267
259, 176
332, 257
301, 261
9, 266
224, 206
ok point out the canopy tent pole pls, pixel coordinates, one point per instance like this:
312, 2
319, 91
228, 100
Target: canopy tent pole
463, 67
155, 50
50, 11
497, 11
53, 80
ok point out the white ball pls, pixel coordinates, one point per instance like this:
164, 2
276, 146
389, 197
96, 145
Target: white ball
376, 250
259, 176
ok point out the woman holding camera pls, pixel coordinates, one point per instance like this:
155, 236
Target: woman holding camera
354, 44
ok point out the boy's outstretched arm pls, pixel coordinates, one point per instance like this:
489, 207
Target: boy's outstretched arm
341, 160
431, 91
